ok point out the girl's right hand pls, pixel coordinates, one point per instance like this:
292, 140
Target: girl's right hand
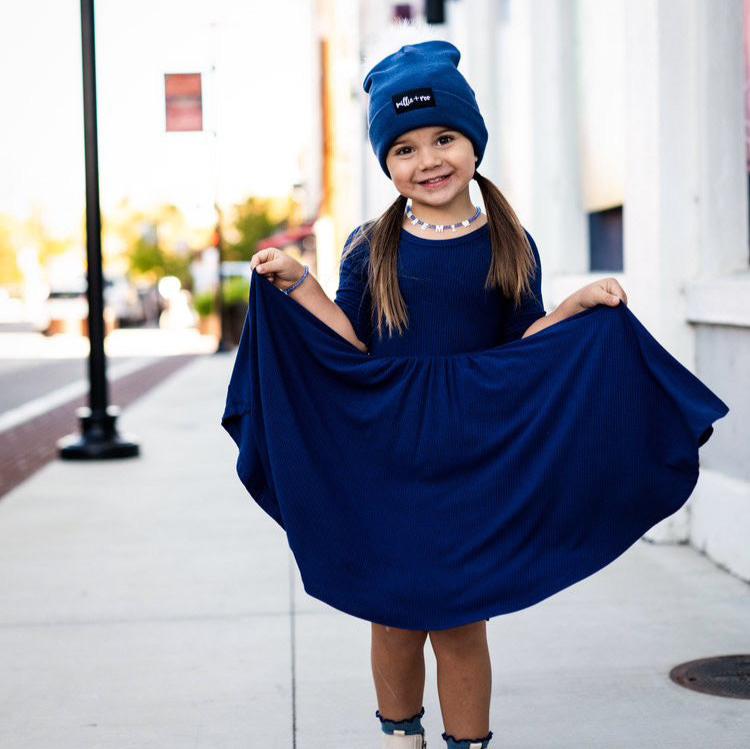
281, 269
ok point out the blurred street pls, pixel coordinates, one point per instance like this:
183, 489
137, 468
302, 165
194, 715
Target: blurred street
44, 378
33, 365
150, 603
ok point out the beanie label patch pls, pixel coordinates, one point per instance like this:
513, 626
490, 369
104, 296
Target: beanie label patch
415, 98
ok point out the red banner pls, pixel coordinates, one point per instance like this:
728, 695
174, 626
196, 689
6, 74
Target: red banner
183, 96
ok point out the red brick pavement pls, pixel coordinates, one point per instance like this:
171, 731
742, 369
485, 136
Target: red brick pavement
27, 447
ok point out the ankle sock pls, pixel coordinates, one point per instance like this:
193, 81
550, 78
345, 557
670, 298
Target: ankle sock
405, 727
454, 743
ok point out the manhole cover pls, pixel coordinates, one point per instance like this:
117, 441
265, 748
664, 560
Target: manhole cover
722, 675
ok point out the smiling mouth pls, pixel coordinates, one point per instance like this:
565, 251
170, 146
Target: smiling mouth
436, 180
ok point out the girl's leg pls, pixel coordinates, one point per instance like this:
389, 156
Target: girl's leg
464, 678
398, 669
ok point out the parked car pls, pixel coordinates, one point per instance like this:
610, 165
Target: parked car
121, 295
66, 308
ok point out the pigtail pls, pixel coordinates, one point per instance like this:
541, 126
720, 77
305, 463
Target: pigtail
513, 260
388, 307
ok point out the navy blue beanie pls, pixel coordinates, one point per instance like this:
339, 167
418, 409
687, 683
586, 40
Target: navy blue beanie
420, 86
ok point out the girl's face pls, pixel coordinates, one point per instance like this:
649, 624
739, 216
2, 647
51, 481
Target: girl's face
426, 152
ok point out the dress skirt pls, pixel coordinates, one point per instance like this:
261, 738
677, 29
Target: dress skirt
434, 491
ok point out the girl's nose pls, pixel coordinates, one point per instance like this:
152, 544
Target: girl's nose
429, 161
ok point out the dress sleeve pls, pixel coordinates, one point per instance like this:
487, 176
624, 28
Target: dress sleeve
531, 307
353, 294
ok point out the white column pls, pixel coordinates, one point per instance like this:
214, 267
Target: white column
718, 78
515, 112
686, 182
556, 212
685, 195
720, 295
537, 126
478, 42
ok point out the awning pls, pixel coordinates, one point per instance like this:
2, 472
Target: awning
292, 235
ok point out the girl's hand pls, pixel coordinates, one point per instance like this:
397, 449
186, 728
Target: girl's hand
605, 291
281, 269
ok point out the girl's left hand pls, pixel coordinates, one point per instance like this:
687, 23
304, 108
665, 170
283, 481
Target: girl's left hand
604, 291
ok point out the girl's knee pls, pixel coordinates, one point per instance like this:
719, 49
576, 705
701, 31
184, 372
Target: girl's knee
459, 637
393, 636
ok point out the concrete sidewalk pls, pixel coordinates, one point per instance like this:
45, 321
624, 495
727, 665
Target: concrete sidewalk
150, 603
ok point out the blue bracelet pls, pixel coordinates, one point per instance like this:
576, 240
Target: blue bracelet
297, 283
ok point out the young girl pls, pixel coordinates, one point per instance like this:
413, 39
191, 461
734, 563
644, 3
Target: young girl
432, 279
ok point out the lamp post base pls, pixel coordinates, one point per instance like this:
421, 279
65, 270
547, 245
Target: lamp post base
99, 439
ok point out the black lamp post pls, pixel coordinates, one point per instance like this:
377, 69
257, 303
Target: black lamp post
99, 438
435, 11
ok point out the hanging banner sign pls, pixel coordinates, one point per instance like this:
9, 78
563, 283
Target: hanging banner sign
184, 105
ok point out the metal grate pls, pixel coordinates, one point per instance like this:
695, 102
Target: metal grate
722, 675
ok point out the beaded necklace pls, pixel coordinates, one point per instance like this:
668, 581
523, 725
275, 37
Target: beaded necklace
441, 227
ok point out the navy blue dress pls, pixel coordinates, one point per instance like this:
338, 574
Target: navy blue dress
459, 472
442, 282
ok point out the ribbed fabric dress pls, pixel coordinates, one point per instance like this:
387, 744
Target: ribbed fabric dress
442, 282
458, 472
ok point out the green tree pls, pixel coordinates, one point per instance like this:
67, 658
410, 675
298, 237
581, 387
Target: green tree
149, 259
155, 242
252, 220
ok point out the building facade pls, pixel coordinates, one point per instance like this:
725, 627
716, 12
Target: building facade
618, 132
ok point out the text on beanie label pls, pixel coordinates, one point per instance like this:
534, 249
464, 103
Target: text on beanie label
415, 98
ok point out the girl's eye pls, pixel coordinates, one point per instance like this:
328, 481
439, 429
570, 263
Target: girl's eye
401, 150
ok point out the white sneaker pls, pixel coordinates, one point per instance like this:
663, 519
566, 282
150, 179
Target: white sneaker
397, 740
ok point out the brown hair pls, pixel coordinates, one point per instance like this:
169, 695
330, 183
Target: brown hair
512, 262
